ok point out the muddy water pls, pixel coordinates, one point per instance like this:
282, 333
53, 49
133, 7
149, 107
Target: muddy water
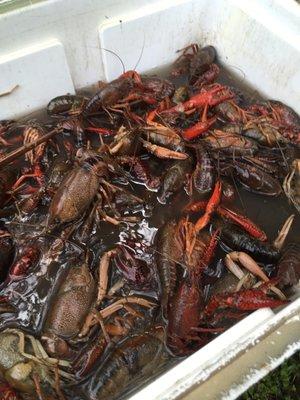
32, 295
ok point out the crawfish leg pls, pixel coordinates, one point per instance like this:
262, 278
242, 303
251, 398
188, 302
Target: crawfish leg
211, 207
279, 241
163, 152
103, 274
244, 222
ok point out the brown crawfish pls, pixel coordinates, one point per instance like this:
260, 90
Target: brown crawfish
115, 375
77, 191
194, 61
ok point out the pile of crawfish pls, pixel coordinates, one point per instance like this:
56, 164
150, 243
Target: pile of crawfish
126, 236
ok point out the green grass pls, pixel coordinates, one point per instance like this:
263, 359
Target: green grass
281, 384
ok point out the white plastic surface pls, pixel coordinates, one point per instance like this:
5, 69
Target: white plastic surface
35, 74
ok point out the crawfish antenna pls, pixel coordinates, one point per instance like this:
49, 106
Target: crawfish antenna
141, 54
115, 54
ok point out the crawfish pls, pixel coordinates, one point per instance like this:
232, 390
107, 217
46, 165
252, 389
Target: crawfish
5, 126
207, 77
26, 366
140, 171
203, 175
69, 308
232, 112
174, 179
6, 253
167, 256
237, 239
230, 143
242, 300
284, 114
8, 176
113, 92
76, 191
166, 143
194, 61
135, 357
160, 88
263, 132
256, 180
135, 271
185, 305
66, 105
25, 259
74, 125
289, 265
250, 227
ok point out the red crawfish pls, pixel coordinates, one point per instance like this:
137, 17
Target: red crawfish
196, 252
241, 220
207, 97
7, 392
26, 258
243, 300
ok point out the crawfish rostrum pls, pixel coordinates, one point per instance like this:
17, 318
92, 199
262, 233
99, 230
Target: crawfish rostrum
139, 222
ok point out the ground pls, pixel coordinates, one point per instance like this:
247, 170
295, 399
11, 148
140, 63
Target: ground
281, 384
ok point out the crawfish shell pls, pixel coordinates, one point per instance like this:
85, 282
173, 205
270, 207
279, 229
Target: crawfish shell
174, 179
230, 143
109, 95
256, 180
289, 265
201, 61
203, 176
288, 116
133, 360
65, 105
74, 195
6, 254
8, 176
160, 87
166, 257
71, 303
238, 240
